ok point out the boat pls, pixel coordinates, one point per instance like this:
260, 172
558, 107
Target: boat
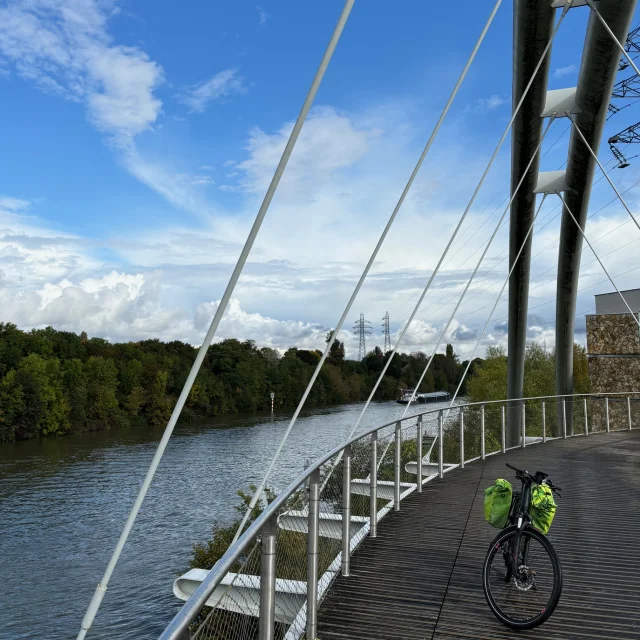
422, 398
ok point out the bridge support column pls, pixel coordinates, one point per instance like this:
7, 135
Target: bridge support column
598, 70
532, 28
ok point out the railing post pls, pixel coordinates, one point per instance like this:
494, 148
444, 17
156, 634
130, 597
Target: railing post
504, 431
544, 422
524, 426
629, 411
396, 483
586, 419
482, 451
462, 437
419, 448
606, 413
373, 487
312, 554
266, 623
441, 444
346, 510
564, 418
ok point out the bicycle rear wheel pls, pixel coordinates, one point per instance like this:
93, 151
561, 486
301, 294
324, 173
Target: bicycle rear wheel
522, 592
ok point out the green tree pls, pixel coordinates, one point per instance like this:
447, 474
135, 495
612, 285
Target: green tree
102, 385
158, 409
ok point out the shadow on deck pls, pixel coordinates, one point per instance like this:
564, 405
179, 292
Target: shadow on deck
421, 578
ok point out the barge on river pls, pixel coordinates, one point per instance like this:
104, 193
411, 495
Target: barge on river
422, 398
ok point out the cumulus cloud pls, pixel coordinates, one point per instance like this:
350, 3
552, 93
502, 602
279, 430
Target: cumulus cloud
64, 47
198, 96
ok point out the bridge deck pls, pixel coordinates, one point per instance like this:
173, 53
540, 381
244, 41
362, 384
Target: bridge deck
421, 577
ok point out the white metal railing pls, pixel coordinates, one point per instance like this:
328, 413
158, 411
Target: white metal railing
279, 570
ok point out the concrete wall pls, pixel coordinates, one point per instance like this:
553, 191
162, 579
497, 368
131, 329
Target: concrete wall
612, 302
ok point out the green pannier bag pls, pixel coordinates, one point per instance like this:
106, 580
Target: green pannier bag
543, 507
497, 502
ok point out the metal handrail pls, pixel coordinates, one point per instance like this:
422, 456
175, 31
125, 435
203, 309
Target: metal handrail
191, 608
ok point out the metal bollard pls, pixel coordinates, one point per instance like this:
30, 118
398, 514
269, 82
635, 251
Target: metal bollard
564, 418
524, 426
482, 452
504, 430
396, 482
419, 447
440, 444
346, 510
461, 437
266, 622
373, 487
606, 411
312, 554
629, 411
544, 422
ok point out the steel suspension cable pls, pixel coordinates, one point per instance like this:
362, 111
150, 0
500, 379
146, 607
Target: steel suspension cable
466, 211
633, 315
486, 324
606, 175
101, 589
484, 253
397, 208
536, 232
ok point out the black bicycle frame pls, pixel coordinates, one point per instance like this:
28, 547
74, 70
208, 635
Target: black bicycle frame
521, 519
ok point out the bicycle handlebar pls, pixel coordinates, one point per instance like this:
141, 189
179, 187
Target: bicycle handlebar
539, 478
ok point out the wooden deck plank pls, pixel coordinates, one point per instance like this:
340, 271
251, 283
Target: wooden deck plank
421, 577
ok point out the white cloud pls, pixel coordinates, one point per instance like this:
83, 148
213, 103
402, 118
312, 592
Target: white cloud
263, 16
482, 105
198, 96
64, 47
561, 72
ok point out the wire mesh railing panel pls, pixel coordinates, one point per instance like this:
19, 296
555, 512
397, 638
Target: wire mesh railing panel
234, 616
493, 428
472, 433
450, 437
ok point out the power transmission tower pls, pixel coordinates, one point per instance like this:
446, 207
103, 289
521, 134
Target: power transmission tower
625, 89
387, 333
362, 328
630, 135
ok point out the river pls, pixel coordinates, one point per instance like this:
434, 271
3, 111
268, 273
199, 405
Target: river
63, 502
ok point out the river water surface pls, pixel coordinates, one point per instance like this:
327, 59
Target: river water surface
64, 501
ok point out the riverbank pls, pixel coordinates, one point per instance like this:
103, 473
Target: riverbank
65, 500
55, 383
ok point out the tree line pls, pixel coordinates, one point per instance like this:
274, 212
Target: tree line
57, 382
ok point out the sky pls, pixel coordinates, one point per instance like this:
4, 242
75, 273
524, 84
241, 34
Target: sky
139, 138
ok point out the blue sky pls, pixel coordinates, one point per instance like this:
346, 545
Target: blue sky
138, 139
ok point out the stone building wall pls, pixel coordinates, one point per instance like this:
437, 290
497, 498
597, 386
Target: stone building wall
613, 348
612, 335
610, 375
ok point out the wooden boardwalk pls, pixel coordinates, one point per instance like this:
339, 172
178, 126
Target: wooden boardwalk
421, 577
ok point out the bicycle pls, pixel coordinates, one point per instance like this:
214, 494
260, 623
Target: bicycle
522, 576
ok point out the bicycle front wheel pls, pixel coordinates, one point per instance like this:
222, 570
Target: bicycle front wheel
522, 591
